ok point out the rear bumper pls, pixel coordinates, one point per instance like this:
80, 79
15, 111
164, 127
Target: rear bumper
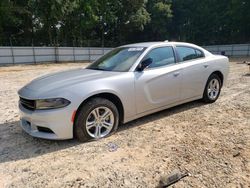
48, 124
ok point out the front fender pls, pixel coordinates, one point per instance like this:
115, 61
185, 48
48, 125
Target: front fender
123, 87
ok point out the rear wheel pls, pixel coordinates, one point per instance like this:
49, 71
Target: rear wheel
98, 118
212, 89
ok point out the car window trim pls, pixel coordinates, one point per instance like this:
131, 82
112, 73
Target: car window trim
178, 56
147, 69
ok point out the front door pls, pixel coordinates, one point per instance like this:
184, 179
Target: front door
159, 84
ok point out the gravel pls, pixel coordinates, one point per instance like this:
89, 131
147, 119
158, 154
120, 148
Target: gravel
209, 141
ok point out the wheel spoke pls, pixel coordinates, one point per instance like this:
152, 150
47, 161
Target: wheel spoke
107, 125
97, 132
214, 83
210, 85
96, 113
90, 124
106, 114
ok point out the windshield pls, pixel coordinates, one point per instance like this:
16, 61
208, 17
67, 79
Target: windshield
119, 59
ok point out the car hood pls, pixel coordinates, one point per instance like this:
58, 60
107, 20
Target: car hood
66, 78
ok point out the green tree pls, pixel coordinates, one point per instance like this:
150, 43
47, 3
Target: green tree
161, 16
116, 22
13, 16
50, 15
78, 26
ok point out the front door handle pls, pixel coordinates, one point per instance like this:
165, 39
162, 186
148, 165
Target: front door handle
176, 74
205, 66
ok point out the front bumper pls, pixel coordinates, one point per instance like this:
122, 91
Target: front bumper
48, 124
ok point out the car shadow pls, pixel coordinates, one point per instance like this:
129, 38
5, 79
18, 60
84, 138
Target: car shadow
162, 114
15, 144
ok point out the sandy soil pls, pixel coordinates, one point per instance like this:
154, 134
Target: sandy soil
211, 142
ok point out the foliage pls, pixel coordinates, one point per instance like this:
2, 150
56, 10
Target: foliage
116, 22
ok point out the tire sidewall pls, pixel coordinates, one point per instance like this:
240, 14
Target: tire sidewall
206, 98
80, 130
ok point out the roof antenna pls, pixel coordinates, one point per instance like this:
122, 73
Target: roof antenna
166, 41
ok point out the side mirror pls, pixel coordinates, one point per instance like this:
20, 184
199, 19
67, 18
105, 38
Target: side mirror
144, 64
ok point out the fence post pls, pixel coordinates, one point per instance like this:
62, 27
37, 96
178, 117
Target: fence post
89, 54
12, 53
56, 54
34, 55
248, 51
232, 51
74, 53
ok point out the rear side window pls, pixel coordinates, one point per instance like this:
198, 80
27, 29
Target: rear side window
199, 53
188, 53
161, 56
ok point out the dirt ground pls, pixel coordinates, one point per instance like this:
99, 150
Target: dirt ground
210, 141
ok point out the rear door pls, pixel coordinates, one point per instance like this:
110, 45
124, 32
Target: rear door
194, 71
159, 84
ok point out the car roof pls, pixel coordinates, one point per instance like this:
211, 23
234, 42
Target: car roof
143, 44
152, 44
149, 44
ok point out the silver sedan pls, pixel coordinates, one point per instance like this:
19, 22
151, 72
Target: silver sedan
129, 82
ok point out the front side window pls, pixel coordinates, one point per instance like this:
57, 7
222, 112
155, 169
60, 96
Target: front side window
188, 53
161, 56
119, 59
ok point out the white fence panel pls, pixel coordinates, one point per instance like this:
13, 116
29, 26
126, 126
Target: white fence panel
5, 51
24, 59
81, 51
17, 55
47, 58
6, 60
235, 50
82, 57
65, 58
22, 51
44, 51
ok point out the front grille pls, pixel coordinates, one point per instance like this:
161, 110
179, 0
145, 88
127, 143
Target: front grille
28, 104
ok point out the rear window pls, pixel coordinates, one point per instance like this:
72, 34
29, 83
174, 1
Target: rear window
188, 53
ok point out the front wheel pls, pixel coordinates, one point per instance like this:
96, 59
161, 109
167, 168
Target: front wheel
98, 118
212, 89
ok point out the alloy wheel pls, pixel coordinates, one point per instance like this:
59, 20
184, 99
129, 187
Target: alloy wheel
213, 89
100, 122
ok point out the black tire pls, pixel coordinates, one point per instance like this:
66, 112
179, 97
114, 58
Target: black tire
80, 129
206, 98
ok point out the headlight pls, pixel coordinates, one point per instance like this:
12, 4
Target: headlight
42, 104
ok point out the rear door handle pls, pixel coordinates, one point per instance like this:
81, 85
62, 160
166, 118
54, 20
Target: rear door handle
205, 66
176, 74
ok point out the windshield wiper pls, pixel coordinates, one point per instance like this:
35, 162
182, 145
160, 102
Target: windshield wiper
97, 69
